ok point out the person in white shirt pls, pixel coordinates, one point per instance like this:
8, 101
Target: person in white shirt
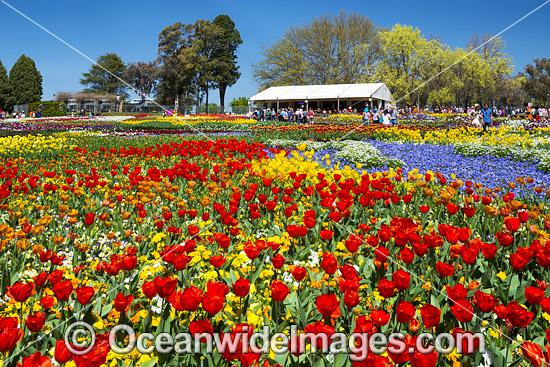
386, 118
543, 113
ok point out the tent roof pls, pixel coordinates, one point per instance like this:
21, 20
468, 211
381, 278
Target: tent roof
331, 91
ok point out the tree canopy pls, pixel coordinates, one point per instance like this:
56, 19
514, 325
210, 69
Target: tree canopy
104, 76
25, 82
537, 80
239, 102
197, 57
349, 48
226, 71
4, 87
143, 76
331, 49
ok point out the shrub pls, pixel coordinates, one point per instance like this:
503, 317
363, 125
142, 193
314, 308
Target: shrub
49, 109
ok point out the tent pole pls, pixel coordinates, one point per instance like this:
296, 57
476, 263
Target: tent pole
338, 103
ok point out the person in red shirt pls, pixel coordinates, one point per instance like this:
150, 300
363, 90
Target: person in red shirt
310, 116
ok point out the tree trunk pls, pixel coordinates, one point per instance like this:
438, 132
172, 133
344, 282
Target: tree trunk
222, 98
206, 107
198, 99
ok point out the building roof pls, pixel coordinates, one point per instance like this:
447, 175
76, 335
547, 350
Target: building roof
331, 91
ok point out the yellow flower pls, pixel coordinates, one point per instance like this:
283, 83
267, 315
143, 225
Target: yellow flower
501, 275
159, 237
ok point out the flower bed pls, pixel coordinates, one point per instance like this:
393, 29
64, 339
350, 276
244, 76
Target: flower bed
172, 234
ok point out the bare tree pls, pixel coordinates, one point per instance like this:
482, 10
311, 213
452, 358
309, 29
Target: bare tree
64, 96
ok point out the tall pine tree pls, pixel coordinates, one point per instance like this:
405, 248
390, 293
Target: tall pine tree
25, 82
4, 88
99, 80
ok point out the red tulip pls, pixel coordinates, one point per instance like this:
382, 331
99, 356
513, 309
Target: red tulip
84, 295
10, 334
129, 262
62, 354
457, 293
217, 261
279, 291
534, 295
401, 279
212, 303
405, 312
199, 327
512, 224
489, 250
299, 273
35, 360
217, 288
535, 354
504, 239
444, 270
20, 291
486, 302
165, 286
47, 302
35, 322
63, 290
278, 261
386, 288
122, 302
241, 287
519, 316
40, 279
327, 304
517, 261
351, 299
431, 315
97, 356
424, 360
329, 263
149, 290
326, 234
523, 216
89, 219
463, 311
380, 317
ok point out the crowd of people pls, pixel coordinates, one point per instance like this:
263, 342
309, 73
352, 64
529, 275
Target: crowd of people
14, 115
390, 115
286, 114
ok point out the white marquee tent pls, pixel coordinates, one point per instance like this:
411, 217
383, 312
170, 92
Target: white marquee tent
331, 96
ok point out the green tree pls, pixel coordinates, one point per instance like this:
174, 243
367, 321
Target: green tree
239, 102
331, 49
143, 76
4, 87
105, 76
441, 82
537, 80
175, 77
210, 107
403, 63
202, 55
492, 52
25, 82
226, 71
475, 76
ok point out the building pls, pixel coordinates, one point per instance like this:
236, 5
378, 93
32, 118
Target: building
333, 97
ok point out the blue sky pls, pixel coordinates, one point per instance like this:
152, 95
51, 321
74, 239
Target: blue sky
131, 28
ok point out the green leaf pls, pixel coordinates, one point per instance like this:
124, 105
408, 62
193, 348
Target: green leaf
149, 363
